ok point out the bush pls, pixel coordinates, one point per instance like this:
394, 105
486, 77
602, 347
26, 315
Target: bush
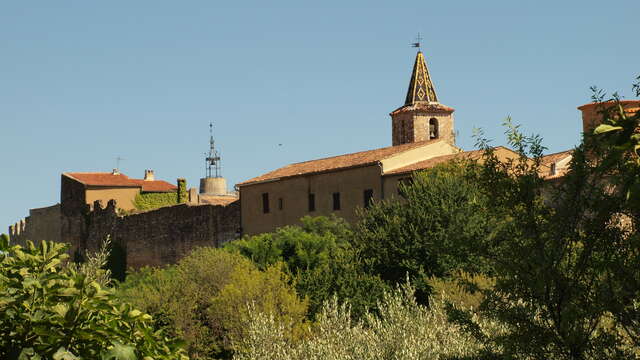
403, 330
319, 259
48, 310
203, 298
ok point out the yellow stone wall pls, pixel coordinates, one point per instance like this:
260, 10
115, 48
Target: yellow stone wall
350, 183
123, 196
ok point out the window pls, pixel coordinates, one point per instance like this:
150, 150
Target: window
368, 198
553, 169
336, 201
280, 204
265, 203
312, 202
433, 129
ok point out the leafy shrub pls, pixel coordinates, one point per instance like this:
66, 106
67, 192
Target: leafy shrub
319, 259
203, 298
431, 233
48, 311
151, 201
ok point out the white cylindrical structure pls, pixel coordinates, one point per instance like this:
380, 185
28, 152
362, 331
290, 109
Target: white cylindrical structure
213, 186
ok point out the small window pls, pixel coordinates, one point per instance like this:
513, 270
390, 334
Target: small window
433, 129
312, 202
553, 169
280, 204
265, 203
336, 201
368, 198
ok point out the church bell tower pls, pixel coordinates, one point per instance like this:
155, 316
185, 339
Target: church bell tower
422, 117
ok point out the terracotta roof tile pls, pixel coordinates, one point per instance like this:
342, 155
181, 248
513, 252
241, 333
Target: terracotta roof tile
336, 162
431, 107
120, 180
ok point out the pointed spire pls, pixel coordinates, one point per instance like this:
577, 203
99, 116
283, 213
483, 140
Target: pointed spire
421, 88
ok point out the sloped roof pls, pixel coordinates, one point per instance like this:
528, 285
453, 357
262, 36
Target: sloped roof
217, 199
555, 157
421, 87
106, 179
501, 152
337, 162
548, 160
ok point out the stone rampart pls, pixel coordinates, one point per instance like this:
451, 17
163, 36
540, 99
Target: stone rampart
156, 237
41, 224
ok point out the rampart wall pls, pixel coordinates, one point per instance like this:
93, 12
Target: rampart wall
41, 224
152, 238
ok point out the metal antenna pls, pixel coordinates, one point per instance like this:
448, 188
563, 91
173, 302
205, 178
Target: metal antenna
212, 161
118, 159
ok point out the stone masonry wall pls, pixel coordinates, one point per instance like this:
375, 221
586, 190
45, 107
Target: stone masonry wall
157, 237
41, 224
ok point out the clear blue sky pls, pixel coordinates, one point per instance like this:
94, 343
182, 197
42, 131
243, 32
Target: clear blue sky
82, 82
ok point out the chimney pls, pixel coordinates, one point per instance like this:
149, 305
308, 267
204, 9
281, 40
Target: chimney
115, 172
593, 113
148, 175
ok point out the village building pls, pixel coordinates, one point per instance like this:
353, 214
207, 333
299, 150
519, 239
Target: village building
79, 189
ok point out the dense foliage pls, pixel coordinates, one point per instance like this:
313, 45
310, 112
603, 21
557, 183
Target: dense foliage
205, 298
402, 330
565, 257
320, 260
150, 201
431, 233
182, 194
50, 311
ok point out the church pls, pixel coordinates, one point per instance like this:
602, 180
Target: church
423, 135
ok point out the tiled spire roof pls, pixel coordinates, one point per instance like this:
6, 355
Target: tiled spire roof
421, 88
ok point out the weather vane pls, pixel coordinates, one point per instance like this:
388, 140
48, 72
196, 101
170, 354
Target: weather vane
417, 43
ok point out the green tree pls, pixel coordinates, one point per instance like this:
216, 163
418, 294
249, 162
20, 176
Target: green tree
430, 233
48, 310
320, 260
564, 255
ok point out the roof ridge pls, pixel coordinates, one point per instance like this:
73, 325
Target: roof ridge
557, 153
408, 145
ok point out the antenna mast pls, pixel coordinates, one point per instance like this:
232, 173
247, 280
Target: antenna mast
212, 161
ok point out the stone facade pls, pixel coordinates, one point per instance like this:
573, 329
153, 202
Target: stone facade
421, 123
